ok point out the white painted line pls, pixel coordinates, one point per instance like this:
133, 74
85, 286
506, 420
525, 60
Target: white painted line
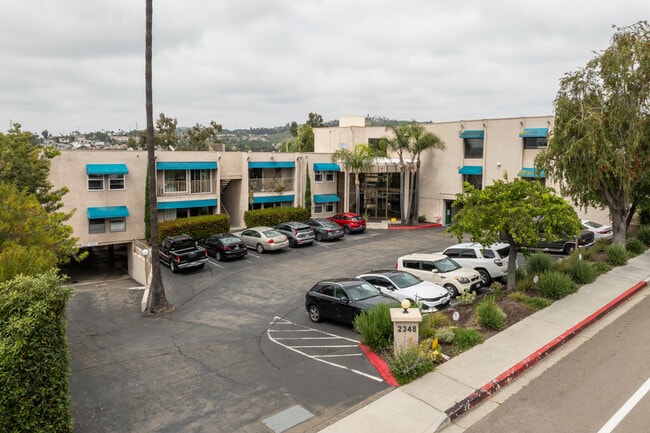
626, 408
215, 264
337, 356
327, 347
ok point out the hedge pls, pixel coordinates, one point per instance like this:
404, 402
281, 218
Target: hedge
198, 227
34, 359
273, 216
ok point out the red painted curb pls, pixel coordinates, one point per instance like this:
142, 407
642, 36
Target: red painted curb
477, 397
427, 226
382, 368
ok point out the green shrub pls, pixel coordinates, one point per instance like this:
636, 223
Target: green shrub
520, 274
431, 322
582, 272
601, 268
198, 227
496, 287
644, 215
445, 334
524, 284
490, 315
422, 219
274, 215
34, 359
538, 263
556, 285
414, 362
634, 246
643, 234
532, 303
375, 327
466, 338
467, 298
617, 255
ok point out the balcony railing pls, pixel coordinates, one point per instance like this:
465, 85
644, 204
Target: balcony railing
189, 187
277, 184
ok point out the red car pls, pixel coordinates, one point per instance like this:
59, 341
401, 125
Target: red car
351, 222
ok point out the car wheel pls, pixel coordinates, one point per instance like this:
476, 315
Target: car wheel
260, 248
451, 289
485, 276
172, 266
319, 237
346, 230
292, 243
218, 256
569, 248
314, 313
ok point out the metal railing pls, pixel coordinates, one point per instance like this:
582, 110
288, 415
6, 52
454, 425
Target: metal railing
186, 187
277, 184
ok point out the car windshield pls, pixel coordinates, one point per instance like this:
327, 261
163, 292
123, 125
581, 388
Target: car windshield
446, 265
361, 291
271, 233
355, 218
404, 280
329, 224
230, 241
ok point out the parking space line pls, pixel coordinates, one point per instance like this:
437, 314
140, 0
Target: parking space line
294, 327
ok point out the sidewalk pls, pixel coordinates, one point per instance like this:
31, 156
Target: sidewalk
429, 404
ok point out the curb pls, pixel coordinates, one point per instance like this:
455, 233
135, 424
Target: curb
382, 368
426, 226
478, 396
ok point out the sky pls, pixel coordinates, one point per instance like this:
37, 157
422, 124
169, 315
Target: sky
78, 65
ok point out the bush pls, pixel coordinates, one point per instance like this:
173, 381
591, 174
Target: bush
416, 361
644, 215
445, 334
532, 303
431, 322
582, 272
634, 246
556, 285
466, 338
467, 298
643, 234
34, 359
490, 315
538, 263
274, 215
198, 227
375, 327
524, 284
617, 255
601, 268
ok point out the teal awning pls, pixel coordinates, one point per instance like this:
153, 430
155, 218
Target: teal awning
326, 166
273, 199
187, 204
473, 133
271, 164
534, 132
530, 172
471, 169
95, 213
102, 169
325, 198
184, 165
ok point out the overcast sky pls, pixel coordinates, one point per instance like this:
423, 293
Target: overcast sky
70, 65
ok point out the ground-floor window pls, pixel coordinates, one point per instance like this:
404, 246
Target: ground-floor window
117, 224
172, 214
476, 180
325, 207
96, 226
256, 206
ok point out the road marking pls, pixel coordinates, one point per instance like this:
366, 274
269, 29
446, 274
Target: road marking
215, 264
319, 358
626, 408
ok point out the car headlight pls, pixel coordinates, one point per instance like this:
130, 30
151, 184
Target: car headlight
462, 280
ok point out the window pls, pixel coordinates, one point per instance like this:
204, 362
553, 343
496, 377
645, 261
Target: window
535, 142
175, 180
96, 226
473, 147
325, 207
318, 176
117, 224
411, 265
476, 180
95, 182
116, 181
329, 176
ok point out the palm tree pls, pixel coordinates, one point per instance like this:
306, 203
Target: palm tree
399, 145
356, 160
159, 301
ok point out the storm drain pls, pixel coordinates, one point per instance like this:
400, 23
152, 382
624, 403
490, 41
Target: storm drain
287, 418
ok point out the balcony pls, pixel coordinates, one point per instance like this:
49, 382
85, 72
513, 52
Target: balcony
184, 188
274, 184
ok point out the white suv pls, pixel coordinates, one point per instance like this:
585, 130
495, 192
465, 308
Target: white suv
441, 270
491, 262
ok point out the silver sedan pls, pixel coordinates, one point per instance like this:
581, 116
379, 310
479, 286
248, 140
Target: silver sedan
263, 239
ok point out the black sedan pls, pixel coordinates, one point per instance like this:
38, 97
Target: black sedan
342, 299
325, 230
224, 246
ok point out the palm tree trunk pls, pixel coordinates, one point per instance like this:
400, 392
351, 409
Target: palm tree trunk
357, 192
159, 301
402, 179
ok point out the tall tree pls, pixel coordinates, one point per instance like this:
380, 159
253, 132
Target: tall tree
159, 301
356, 160
420, 140
510, 209
203, 138
599, 149
166, 137
399, 144
304, 141
314, 120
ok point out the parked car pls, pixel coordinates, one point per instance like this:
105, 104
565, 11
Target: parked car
566, 246
404, 285
490, 262
297, 233
441, 270
224, 246
181, 252
600, 231
263, 239
342, 299
325, 229
351, 222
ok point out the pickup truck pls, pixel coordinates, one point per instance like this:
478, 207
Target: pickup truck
181, 252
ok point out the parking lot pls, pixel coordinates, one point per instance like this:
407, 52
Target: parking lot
239, 352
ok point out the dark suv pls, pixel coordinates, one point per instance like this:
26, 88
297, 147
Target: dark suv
297, 233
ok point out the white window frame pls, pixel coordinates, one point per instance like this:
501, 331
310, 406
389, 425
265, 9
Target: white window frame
329, 176
116, 182
95, 179
318, 176
117, 224
94, 227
